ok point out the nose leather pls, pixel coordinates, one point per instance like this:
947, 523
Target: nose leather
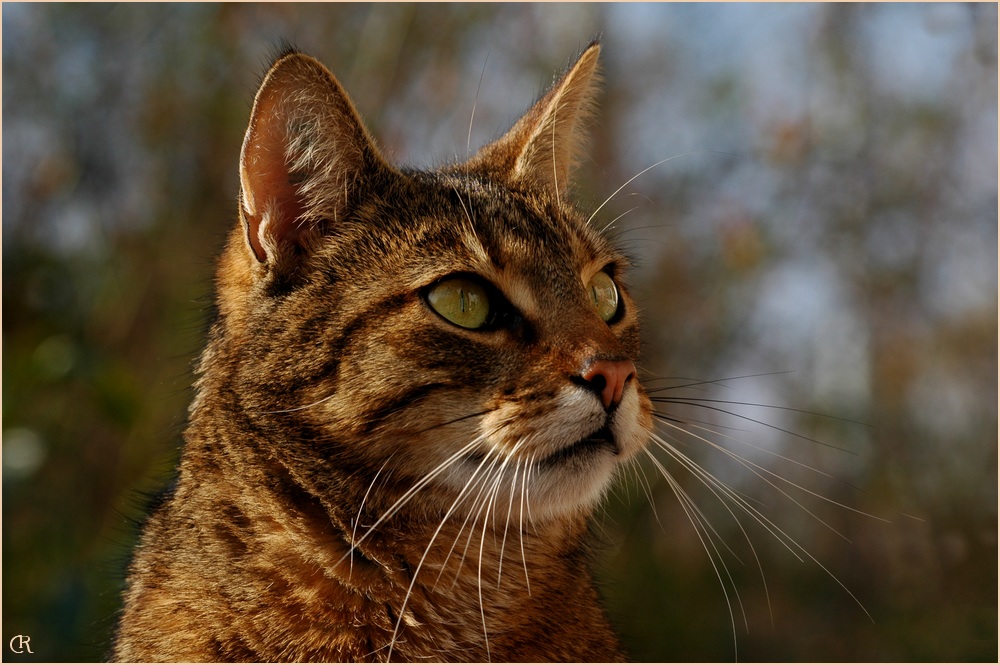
607, 378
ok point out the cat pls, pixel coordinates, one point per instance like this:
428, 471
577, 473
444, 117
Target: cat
416, 389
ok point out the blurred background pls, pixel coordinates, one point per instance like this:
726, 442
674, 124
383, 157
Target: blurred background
824, 226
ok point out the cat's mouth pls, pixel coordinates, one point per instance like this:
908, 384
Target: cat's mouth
601, 440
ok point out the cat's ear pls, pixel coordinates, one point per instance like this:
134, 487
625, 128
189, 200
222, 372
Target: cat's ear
541, 149
304, 151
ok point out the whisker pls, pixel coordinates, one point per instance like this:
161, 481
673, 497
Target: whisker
527, 501
420, 484
612, 222
472, 482
716, 487
693, 383
300, 408
490, 501
479, 504
491, 494
473, 232
475, 102
746, 463
708, 407
491, 459
722, 492
793, 546
753, 469
361, 508
626, 183
643, 479
520, 522
423, 558
455, 420
698, 522
506, 525
696, 401
708, 427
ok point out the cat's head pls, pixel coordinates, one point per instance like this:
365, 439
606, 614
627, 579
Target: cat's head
463, 329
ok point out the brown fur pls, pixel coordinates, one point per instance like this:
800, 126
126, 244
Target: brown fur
362, 478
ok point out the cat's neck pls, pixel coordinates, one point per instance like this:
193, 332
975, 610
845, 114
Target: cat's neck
438, 570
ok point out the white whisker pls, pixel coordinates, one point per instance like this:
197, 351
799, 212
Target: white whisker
792, 545
361, 508
490, 500
506, 525
520, 522
423, 558
758, 470
479, 504
612, 222
703, 531
468, 140
555, 158
527, 486
472, 482
420, 484
626, 183
300, 408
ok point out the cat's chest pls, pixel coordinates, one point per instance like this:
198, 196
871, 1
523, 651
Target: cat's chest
459, 603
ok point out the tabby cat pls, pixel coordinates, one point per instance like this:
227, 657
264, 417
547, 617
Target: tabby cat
417, 387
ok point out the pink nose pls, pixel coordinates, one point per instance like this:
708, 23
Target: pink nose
607, 378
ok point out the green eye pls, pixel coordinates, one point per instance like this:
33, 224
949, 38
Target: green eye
603, 295
462, 301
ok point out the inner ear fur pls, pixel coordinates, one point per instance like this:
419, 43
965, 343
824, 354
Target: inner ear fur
304, 154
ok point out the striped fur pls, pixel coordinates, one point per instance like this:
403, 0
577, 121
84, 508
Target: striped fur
361, 478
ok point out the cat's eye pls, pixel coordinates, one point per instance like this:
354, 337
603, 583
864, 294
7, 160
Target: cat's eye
461, 300
603, 295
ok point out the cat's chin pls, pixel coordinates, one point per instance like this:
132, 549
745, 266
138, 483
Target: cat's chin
574, 478
572, 481
600, 442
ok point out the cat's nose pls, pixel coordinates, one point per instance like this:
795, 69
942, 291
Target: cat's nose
607, 379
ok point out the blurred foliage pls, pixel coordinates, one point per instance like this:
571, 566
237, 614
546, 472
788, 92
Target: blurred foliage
825, 222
